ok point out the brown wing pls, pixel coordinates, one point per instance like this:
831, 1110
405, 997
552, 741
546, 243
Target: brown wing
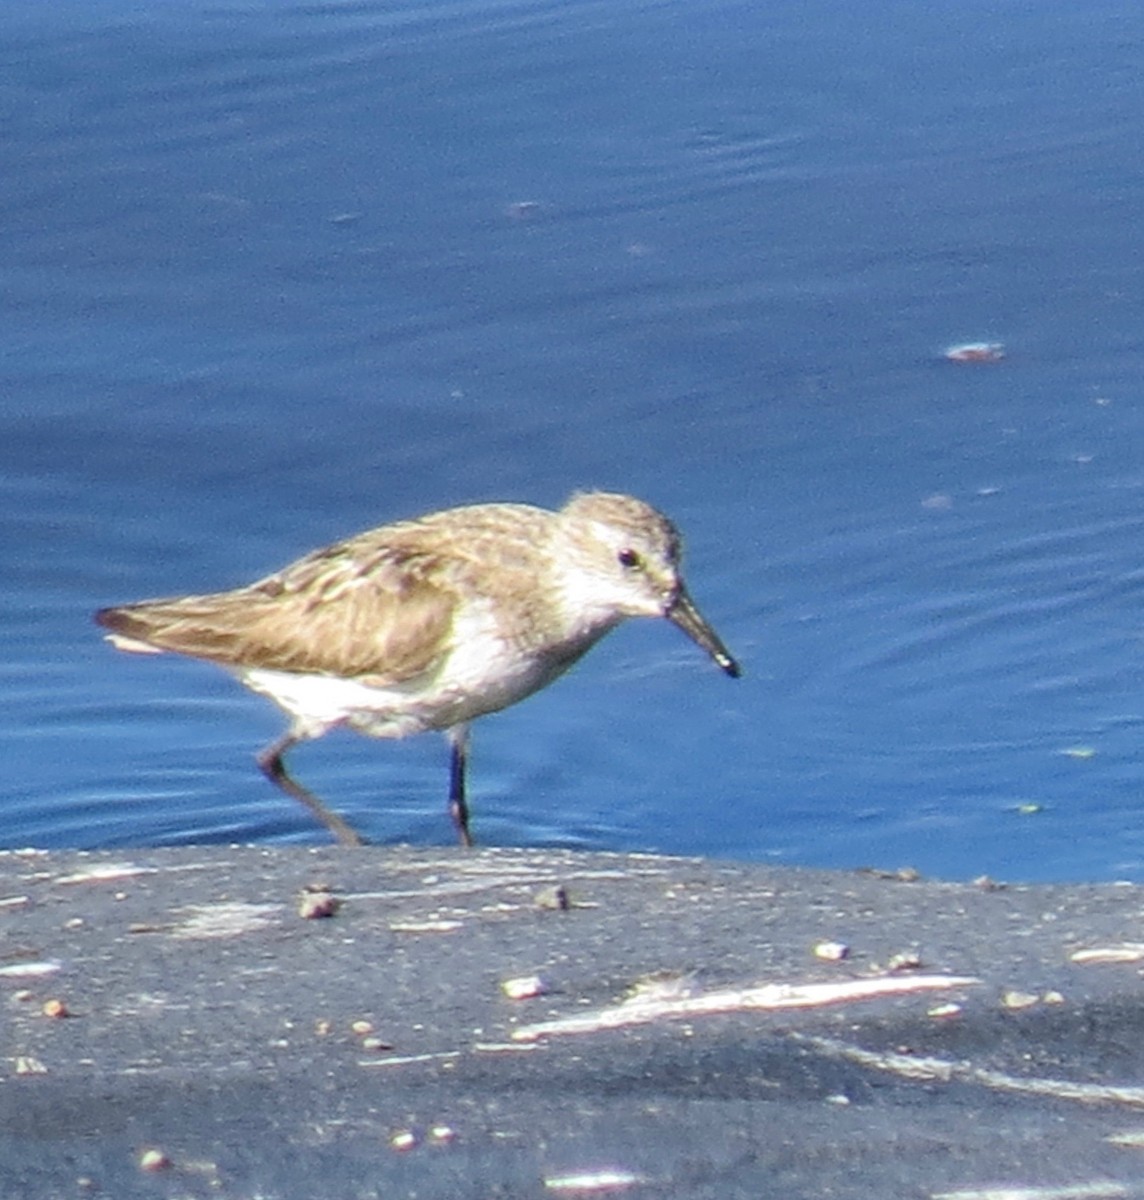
383, 613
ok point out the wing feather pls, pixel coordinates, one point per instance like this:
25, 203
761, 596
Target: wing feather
382, 613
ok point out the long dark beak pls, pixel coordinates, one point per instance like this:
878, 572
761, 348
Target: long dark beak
682, 612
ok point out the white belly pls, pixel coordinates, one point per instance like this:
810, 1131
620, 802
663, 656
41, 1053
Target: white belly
320, 702
482, 674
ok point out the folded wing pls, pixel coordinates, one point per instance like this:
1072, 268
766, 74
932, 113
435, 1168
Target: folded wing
380, 614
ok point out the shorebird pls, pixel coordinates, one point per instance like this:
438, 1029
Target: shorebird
430, 623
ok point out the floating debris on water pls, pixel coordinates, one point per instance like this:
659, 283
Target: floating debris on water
523, 210
1081, 752
975, 352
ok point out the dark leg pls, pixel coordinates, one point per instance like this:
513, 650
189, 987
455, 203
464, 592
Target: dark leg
270, 760
458, 808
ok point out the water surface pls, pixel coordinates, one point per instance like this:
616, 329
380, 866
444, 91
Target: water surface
274, 274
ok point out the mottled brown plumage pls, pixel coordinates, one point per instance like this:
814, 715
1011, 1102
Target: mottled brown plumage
429, 623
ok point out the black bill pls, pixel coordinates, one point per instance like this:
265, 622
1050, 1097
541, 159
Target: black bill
682, 612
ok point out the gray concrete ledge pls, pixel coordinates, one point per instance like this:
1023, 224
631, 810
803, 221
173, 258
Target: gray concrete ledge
676, 1034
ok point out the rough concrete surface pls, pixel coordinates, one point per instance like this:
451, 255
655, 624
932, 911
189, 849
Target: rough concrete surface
551, 1024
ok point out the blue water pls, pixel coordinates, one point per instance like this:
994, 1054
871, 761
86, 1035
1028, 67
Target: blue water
271, 274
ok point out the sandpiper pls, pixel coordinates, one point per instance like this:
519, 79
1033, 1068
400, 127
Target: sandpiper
429, 623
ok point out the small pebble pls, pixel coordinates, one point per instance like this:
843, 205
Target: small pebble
526, 987
905, 960
944, 1011
555, 897
832, 951
1015, 1000
153, 1160
317, 901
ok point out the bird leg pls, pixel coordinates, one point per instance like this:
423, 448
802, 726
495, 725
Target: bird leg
270, 760
458, 808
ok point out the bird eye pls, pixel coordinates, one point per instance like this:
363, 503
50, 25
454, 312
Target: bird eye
630, 559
